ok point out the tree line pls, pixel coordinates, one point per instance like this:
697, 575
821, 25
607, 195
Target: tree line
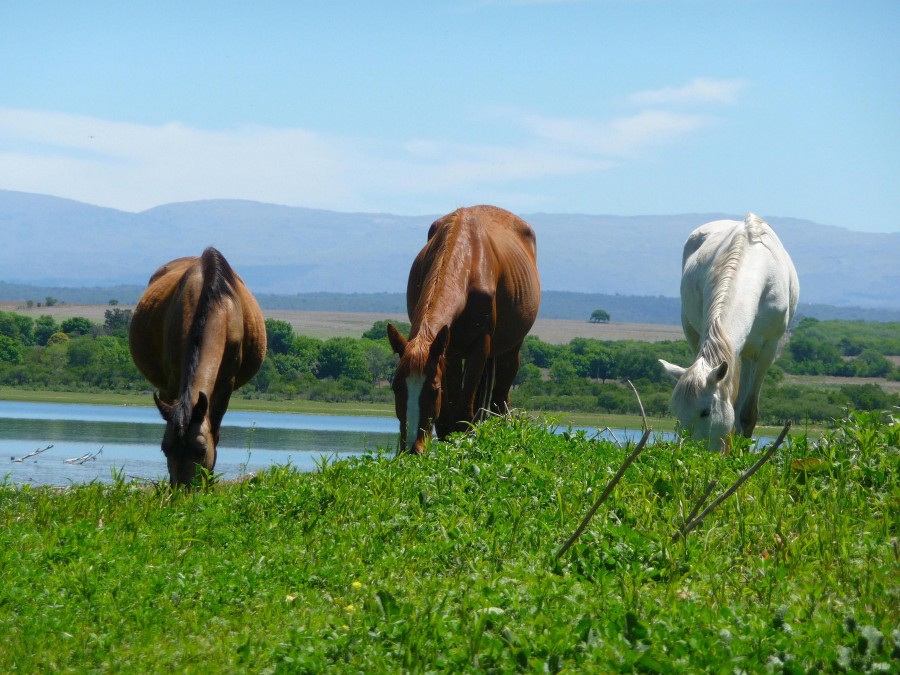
583, 375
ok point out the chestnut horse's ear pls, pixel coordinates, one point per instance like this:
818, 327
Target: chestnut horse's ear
398, 342
199, 411
165, 410
440, 344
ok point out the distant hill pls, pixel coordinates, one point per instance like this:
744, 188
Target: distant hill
280, 250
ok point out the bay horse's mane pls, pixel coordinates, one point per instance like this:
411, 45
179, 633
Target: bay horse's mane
219, 281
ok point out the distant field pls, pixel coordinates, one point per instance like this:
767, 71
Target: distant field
353, 324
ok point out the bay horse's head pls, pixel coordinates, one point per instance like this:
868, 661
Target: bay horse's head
417, 385
702, 402
189, 440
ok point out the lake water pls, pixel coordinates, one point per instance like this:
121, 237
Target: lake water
128, 438
130, 441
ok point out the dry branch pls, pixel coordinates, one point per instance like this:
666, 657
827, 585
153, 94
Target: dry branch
640, 404
30, 454
691, 524
609, 488
86, 457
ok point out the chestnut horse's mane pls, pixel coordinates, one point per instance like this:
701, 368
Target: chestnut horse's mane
219, 281
417, 350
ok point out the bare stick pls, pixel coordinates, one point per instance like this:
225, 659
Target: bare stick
730, 491
609, 488
611, 434
30, 454
643, 414
701, 501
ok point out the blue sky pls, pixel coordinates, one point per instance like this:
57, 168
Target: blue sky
628, 107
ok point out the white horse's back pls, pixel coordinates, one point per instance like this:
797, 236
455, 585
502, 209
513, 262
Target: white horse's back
751, 285
739, 293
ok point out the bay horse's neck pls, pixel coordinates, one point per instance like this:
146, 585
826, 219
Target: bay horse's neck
206, 321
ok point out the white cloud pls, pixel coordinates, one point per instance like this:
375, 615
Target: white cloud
699, 90
134, 167
621, 137
138, 166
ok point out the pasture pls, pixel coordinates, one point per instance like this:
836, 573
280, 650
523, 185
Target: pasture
446, 562
324, 325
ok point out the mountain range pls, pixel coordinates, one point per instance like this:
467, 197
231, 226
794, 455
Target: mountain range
49, 241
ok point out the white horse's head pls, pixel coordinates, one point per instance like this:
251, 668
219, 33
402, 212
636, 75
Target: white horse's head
702, 403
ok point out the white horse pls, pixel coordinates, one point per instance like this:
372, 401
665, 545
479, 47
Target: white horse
739, 292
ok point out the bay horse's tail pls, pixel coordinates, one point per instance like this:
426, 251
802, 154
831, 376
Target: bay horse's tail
485, 390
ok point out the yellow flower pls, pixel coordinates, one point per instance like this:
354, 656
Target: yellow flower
356, 584
350, 608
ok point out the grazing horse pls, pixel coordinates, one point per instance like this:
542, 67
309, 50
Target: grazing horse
197, 334
472, 296
739, 292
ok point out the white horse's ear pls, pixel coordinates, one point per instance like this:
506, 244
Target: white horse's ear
718, 374
673, 371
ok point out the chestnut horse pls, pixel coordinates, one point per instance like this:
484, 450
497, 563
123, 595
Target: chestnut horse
739, 292
472, 296
197, 334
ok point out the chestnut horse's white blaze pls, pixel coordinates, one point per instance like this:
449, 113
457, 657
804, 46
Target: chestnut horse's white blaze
414, 386
472, 296
739, 292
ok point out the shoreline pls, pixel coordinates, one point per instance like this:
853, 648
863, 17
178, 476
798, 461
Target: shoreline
356, 408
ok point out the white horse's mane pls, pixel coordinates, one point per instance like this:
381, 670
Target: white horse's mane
717, 348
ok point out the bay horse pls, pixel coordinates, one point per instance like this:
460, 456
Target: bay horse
739, 293
196, 334
472, 296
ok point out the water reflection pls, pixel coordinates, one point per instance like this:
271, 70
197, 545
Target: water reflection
130, 441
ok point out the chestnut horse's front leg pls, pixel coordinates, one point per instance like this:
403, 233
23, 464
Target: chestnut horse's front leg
507, 368
451, 391
475, 362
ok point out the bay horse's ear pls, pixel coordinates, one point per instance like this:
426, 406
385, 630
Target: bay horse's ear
440, 344
718, 374
165, 410
398, 342
199, 411
673, 371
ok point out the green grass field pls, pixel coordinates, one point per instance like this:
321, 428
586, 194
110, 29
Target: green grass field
446, 563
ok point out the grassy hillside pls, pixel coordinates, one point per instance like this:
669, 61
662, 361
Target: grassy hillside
446, 562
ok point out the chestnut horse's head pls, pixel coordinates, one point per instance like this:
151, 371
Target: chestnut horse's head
189, 440
417, 385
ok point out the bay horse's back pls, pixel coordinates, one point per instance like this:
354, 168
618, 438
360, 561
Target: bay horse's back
165, 312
